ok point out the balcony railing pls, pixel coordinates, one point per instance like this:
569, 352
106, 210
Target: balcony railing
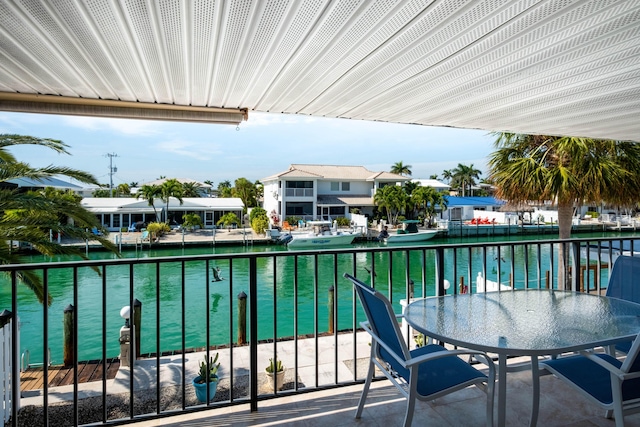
298, 308
299, 192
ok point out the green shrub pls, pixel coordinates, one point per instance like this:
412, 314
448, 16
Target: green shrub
260, 224
593, 214
343, 222
256, 213
191, 221
228, 219
158, 228
293, 220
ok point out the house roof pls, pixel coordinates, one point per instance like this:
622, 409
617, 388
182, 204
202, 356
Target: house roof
455, 201
130, 204
44, 182
334, 172
431, 183
552, 67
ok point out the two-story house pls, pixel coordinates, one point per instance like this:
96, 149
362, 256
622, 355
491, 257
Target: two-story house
324, 191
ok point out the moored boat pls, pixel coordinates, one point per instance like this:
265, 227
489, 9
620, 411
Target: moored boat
320, 235
410, 233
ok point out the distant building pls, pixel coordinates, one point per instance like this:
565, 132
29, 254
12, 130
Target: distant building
324, 191
439, 186
115, 213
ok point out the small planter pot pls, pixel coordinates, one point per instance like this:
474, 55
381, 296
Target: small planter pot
279, 379
201, 389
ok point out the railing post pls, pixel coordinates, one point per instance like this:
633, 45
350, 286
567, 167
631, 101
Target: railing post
253, 338
330, 309
68, 333
440, 272
137, 324
242, 318
575, 255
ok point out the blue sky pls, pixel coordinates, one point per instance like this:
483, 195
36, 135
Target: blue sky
263, 146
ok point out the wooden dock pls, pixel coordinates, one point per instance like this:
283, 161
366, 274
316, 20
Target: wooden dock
33, 378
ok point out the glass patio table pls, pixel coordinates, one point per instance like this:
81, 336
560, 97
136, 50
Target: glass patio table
532, 322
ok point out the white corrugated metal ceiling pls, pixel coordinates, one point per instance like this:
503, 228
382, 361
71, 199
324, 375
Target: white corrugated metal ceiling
550, 66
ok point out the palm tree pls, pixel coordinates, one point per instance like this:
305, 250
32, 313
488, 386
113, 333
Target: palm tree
123, 189
149, 193
133, 184
30, 217
191, 189
393, 199
171, 188
401, 169
567, 171
433, 176
446, 174
428, 199
246, 191
224, 189
464, 177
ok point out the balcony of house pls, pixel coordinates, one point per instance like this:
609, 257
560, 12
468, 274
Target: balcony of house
124, 339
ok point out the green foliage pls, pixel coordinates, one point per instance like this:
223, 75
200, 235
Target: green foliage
101, 192
191, 221
259, 220
292, 220
275, 365
228, 219
260, 224
257, 212
209, 369
393, 199
593, 214
30, 216
158, 228
343, 221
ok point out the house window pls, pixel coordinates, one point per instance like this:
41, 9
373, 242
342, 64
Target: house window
336, 211
346, 186
335, 186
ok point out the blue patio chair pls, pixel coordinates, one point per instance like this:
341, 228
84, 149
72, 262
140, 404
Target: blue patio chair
603, 379
425, 373
624, 283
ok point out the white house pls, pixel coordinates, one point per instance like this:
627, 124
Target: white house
439, 186
119, 212
324, 191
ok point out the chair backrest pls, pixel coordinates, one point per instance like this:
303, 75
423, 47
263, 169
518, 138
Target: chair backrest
624, 282
383, 322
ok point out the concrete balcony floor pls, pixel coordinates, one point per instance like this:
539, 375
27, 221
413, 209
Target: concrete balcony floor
559, 406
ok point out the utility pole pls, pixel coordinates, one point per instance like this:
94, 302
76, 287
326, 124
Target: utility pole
112, 170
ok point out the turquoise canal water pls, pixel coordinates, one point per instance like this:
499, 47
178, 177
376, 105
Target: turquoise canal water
277, 293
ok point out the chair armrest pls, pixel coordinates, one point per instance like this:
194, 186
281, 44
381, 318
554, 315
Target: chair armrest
601, 362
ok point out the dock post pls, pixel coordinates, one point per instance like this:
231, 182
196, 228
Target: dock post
68, 333
242, 318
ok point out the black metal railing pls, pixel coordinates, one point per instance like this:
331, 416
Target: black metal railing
294, 300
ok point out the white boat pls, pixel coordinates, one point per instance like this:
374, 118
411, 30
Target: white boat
491, 285
410, 233
608, 252
320, 235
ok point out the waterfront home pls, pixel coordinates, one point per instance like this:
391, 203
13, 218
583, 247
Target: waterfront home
116, 213
324, 191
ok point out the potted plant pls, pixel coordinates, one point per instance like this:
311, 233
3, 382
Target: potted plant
276, 368
208, 374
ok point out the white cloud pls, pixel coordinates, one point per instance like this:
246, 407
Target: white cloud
197, 150
122, 126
